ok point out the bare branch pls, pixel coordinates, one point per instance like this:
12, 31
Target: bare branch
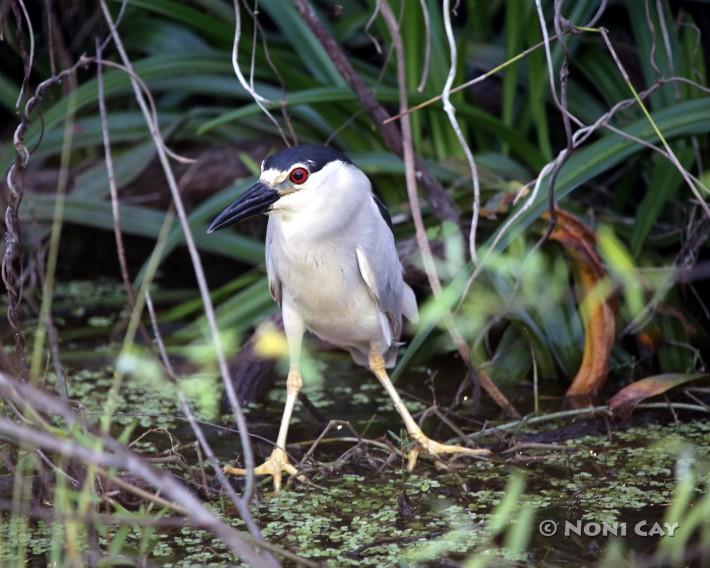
368, 25
422, 240
437, 197
115, 209
427, 46
450, 111
666, 43
671, 154
239, 503
12, 265
30, 59
652, 31
249, 85
196, 262
120, 458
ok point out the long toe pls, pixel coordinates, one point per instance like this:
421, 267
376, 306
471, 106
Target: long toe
275, 466
436, 449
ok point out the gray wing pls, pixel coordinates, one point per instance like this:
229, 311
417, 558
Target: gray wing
274, 282
382, 272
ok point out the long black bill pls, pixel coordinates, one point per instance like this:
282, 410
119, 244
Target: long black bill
253, 201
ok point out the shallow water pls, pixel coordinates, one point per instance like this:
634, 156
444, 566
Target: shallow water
366, 509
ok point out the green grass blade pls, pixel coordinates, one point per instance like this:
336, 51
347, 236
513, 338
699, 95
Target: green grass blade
92, 184
8, 93
665, 180
681, 120
140, 221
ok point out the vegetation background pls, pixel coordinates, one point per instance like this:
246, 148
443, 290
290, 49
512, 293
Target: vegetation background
545, 171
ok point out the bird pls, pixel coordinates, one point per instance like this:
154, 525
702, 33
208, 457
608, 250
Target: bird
332, 266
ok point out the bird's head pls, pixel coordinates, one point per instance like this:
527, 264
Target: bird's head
292, 178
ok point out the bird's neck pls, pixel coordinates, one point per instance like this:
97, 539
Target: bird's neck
302, 221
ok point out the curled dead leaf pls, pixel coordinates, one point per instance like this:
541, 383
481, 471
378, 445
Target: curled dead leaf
628, 398
597, 305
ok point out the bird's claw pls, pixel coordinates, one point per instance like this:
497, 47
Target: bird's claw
275, 466
435, 449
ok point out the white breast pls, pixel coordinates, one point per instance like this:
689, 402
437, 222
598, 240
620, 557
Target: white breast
320, 278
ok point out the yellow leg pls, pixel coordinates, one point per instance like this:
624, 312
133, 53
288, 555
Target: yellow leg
278, 463
433, 448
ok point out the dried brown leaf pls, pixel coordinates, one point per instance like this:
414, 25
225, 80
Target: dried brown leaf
624, 401
597, 310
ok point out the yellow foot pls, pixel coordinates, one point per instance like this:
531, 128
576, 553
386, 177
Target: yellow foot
435, 449
276, 466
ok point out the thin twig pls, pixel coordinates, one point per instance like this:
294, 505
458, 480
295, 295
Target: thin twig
652, 31
450, 111
479, 79
370, 21
420, 229
120, 458
602, 411
30, 60
671, 154
119, 19
408, 154
427, 46
45, 315
196, 262
12, 265
239, 503
442, 205
113, 190
246, 85
548, 55
562, 105
235, 59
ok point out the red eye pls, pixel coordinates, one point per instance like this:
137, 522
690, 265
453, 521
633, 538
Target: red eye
298, 175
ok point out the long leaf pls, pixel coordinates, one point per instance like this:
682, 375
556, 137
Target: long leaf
118, 83
8, 93
312, 54
681, 120
210, 26
665, 180
93, 183
329, 95
140, 221
628, 398
684, 119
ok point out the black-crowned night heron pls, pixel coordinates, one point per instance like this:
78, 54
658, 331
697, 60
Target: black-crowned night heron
332, 266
